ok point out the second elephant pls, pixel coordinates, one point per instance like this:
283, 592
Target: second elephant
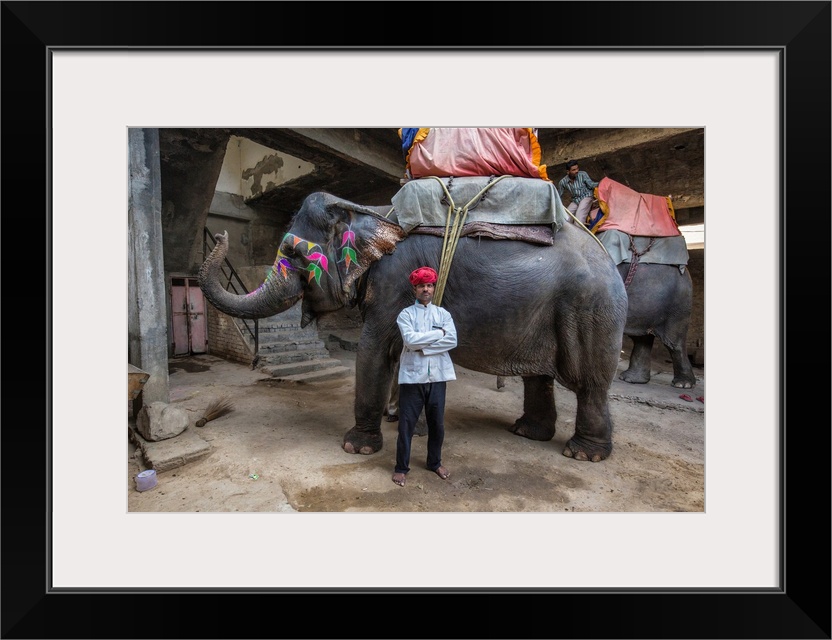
660, 300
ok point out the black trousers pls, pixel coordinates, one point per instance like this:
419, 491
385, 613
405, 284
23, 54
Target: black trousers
412, 399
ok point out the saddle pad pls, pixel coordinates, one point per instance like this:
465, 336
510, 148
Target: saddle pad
670, 250
512, 200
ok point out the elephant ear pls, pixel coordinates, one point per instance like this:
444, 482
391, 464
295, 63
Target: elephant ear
361, 237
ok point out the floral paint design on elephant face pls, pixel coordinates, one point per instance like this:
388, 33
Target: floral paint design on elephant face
317, 262
348, 252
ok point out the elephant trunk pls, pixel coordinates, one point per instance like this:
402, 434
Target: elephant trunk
275, 295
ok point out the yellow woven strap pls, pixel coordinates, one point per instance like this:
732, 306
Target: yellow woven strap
452, 232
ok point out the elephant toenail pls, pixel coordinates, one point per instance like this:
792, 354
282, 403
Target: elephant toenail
581, 456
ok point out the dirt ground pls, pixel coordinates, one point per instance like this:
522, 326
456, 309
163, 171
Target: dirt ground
280, 450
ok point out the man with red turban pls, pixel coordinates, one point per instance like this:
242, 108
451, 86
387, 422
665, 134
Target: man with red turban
428, 333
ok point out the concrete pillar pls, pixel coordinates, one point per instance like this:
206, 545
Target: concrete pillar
147, 308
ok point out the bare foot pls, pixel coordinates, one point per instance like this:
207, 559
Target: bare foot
399, 479
443, 473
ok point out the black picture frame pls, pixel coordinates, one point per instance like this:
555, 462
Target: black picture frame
800, 608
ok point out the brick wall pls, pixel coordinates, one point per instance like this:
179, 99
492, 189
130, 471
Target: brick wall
224, 340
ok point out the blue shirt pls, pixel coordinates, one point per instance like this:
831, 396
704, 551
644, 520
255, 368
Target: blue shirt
581, 187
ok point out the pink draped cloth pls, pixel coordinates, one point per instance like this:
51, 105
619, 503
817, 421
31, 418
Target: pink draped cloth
466, 152
636, 214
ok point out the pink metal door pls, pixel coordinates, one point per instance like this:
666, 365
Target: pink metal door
198, 324
179, 307
190, 332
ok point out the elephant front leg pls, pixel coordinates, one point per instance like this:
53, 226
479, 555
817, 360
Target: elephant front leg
641, 357
372, 386
593, 428
539, 412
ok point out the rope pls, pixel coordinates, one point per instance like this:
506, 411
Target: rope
634, 262
584, 227
452, 232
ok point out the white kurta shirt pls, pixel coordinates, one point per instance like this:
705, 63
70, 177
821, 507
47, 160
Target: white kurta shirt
425, 356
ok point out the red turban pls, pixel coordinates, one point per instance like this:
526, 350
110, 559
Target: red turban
423, 275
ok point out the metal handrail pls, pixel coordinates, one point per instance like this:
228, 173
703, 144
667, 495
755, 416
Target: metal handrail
230, 277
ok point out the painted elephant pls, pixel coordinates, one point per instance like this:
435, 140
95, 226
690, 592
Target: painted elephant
546, 313
660, 298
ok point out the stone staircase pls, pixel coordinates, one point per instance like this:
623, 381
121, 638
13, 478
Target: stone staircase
290, 353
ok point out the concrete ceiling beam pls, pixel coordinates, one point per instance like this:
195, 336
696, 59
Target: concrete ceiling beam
356, 147
664, 161
581, 144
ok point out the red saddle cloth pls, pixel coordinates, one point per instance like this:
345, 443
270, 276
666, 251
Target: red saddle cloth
634, 213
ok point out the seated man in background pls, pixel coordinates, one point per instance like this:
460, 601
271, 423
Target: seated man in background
581, 188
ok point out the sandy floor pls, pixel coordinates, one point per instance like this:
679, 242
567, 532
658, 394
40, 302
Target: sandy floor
280, 450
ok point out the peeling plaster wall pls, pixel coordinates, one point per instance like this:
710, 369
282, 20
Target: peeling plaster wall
251, 169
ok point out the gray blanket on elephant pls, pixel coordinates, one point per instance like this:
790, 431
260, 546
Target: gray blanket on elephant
508, 201
669, 250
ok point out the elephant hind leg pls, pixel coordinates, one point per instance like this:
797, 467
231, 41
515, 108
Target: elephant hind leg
641, 357
593, 428
585, 450
683, 375
539, 413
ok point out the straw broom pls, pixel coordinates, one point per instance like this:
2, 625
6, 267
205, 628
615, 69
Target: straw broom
215, 409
